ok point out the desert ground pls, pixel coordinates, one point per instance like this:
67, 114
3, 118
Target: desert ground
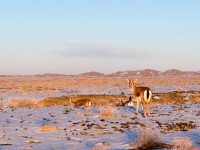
36, 113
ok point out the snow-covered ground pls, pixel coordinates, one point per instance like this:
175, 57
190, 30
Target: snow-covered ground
21, 127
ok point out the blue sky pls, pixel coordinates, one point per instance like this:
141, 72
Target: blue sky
73, 37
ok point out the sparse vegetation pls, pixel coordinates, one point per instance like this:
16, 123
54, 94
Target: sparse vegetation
104, 100
50, 92
97, 147
88, 111
170, 97
184, 144
53, 101
107, 112
42, 94
97, 100
147, 140
22, 103
49, 128
1, 106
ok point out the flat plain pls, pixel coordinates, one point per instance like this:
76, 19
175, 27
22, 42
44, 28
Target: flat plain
36, 113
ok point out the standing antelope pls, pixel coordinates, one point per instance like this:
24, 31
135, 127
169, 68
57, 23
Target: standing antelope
142, 94
82, 102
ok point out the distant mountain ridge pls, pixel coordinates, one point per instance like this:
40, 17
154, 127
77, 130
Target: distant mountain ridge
119, 74
93, 73
144, 73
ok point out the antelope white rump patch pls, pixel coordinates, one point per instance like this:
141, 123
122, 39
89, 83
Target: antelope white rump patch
130, 104
90, 103
147, 99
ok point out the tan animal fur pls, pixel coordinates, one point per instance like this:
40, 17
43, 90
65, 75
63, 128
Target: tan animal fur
82, 102
142, 95
127, 103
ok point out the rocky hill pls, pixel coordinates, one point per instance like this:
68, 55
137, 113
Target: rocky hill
145, 73
120, 74
92, 74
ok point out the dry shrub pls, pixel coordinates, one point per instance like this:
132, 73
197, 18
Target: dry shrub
79, 113
41, 94
23, 103
169, 97
96, 89
97, 147
101, 102
14, 100
184, 144
88, 111
195, 98
1, 106
12, 91
45, 88
147, 140
49, 128
113, 88
72, 89
26, 103
166, 98
53, 101
180, 88
114, 102
97, 100
81, 90
2, 94
107, 112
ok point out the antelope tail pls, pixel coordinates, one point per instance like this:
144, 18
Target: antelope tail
147, 95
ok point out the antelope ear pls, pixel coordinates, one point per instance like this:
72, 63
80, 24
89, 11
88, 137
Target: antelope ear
127, 80
135, 80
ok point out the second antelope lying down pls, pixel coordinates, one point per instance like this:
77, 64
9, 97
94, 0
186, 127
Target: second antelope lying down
127, 103
142, 94
82, 102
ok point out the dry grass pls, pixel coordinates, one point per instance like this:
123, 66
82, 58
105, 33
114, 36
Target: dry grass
42, 94
97, 147
195, 98
13, 100
107, 112
170, 97
184, 144
13, 91
2, 94
82, 90
49, 128
88, 111
72, 89
97, 100
102, 102
22, 103
28, 81
147, 140
1, 106
53, 101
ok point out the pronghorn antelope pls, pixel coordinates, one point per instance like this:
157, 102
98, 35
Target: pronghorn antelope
82, 102
142, 94
127, 103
